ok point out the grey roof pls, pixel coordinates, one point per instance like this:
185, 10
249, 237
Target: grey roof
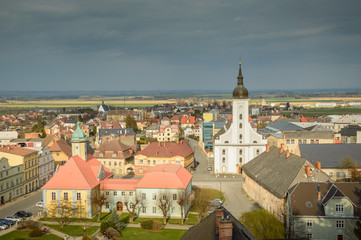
307, 134
219, 123
206, 229
223, 130
153, 127
277, 173
117, 131
350, 130
282, 126
316, 128
330, 155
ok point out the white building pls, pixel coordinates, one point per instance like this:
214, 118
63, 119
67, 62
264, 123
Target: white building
7, 136
237, 143
46, 164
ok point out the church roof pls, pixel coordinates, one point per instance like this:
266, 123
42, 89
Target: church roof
240, 91
78, 135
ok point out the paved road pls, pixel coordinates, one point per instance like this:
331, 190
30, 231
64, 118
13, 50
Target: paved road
231, 185
26, 203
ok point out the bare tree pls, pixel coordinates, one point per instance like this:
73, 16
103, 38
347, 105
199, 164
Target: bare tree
164, 203
201, 202
63, 213
182, 201
99, 200
131, 205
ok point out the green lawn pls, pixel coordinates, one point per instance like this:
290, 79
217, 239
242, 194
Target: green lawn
104, 217
192, 219
139, 234
74, 230
20, 235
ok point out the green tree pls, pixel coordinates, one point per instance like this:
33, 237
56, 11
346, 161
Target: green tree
115, 221
348, 163
262, 224
131, 123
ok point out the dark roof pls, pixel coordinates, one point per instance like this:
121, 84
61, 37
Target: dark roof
308, 134
223, 130
330, 155
304, 197
350, 130
277, 173
282, 126
206, 229
118, 131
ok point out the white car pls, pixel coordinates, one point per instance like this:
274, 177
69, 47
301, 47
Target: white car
39, 204
3, 226
14, 218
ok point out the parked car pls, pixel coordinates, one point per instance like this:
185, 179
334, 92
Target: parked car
209, 167
14, 218
6, 222
3, 226
40, 204
23, 214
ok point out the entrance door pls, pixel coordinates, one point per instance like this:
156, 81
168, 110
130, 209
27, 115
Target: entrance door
119, 207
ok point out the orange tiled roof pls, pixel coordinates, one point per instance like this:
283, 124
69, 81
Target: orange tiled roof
169, 149
188, 119
17, 150
119, 184
61, 146
176, 177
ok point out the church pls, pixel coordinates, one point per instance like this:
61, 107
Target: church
237, 143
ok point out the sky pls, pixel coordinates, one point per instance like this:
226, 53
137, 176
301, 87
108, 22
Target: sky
116, 45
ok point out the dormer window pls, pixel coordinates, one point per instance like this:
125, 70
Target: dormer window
114, 155
101, 154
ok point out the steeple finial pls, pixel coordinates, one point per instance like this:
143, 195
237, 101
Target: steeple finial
240, 91
240, 76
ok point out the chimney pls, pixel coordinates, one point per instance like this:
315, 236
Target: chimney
319, 196
308, 170
219, 216
225, 228
318, 165
281, 149
267, 148
288, 154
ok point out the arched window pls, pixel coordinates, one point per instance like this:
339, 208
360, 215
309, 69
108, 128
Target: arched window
240, 125
226, 142
119, 206
254, 141
223, 151
240, 151
240, 160
257, 151
240, 136
223, 160
240, 116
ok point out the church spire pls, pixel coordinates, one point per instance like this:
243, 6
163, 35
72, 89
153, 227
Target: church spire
240, 91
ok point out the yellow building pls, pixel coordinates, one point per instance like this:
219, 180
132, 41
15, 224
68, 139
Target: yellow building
30, 162
61, 151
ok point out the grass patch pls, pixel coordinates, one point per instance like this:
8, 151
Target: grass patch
47, 219
139, 234
192, 219
20, 235
74, 230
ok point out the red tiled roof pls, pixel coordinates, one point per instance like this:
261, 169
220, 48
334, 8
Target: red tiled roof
173, 127
61, 146
166, 176
169, 149
77, 174
119, 184
17, 150
175, 117
186, 119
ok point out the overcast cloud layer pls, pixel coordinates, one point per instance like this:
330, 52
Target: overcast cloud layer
176, 45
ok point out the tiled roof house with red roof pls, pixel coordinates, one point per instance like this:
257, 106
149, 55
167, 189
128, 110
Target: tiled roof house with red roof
155, 153
83, 176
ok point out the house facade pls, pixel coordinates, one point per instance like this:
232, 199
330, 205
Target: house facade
11, 181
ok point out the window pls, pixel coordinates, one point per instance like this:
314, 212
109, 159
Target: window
144, 210
174, 196
107, 205
340, 224
101, 155
240, 136
114, 155
223, 160
339, 208
339, 237
153, 162
141, 161
304, 141
154, 209
257, 151
240, 151
53, 196
123, 193
288, 141
57, 154
148, 162
178, 162
144, 196
130, 193
299, 141
240, 125
65, 196
131, 205
223, 151
140, 170
115, 193
240, 160
115, 163
309, 223
309, 236
337, 174
78, 196
154, 196
331, 174
240, 116
107, 193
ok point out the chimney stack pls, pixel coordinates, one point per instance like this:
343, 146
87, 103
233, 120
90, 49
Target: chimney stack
318, 165
281, 149
308, 170
219, 216
319, 196
267, 148
225, 228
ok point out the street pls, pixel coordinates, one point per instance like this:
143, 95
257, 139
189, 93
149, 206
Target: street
231, 185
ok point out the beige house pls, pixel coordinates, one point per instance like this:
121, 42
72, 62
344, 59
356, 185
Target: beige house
269, 176
30, 162
318, 210
11, 181
61, 151
116, 156
168, 133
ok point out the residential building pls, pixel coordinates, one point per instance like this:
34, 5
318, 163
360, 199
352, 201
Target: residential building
168, 133
7, 136
187, 120
155, 153
342, 121
46, 164
118, 157
268, 177
29, 160
330, 157
11, 181
237, 143
318, 210
61, 151
220, 224
349, 133
152, 130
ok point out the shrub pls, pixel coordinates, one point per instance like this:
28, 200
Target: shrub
148, 225
112, 233
157, 226
29, 224
36, 233
104, 226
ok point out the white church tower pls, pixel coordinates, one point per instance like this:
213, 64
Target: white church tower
237, 143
